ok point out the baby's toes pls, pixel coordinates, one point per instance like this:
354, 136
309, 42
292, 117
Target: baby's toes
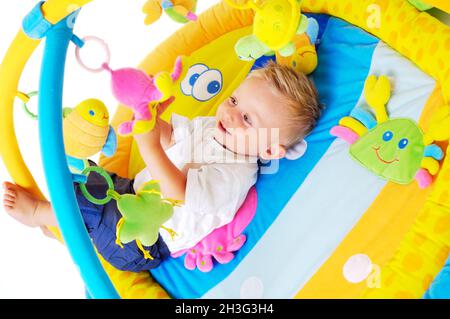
8, 204
10, 198
11, 189
10, 193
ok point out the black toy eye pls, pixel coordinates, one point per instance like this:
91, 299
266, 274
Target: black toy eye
91, 113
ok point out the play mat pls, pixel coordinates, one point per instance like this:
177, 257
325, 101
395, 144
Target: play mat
333, 229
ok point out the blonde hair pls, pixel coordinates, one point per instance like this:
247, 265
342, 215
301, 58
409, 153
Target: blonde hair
300, 94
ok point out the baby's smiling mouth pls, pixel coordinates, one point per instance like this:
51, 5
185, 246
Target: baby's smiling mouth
376, 149
222, 127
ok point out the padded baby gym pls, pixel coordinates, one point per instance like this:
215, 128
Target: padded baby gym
324, 226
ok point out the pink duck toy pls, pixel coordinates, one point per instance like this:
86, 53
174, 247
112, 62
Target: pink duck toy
141, 92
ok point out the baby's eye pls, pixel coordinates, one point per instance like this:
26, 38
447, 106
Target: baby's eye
247, 119
233, 101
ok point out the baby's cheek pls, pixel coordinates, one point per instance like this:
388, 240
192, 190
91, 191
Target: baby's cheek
255, 142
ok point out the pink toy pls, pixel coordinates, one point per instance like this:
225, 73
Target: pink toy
423, 178
137, 90
222, 242
345, 133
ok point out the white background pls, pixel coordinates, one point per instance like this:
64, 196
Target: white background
31, 265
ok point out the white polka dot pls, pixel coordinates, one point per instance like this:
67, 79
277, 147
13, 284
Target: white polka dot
252, 288
357, 268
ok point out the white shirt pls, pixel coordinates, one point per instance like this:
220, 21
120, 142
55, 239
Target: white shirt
217, 182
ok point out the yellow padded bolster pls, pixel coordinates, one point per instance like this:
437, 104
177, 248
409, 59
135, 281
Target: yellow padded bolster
444, 5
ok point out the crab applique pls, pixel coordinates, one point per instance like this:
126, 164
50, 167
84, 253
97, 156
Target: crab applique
223, 242
393, 149
275, 25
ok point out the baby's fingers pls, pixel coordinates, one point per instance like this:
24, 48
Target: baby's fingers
161, 108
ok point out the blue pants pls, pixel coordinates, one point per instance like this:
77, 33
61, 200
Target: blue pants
101, 221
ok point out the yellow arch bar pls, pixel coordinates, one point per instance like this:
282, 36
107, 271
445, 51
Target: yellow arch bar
10, 72
56, 10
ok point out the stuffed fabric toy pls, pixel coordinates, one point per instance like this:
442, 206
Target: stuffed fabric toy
393, 149
275, 25
87, 132
143, 213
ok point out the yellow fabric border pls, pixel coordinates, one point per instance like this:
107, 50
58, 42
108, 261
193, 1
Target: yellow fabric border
417, 35
441, 4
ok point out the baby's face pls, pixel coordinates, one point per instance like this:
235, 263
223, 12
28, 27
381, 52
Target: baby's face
251, 120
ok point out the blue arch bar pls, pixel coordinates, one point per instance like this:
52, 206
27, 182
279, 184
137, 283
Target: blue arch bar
59, 179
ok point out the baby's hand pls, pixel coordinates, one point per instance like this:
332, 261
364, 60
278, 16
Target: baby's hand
152, 138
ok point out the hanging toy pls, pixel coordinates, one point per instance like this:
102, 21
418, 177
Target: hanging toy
181, 11
25, 98
86, 132
141, 92
137, 90
275, 25
391, 148
305, 58
143, 214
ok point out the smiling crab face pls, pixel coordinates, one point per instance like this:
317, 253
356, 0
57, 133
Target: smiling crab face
391, 148
394, 150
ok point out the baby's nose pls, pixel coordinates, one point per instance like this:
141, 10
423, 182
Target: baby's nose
231, 116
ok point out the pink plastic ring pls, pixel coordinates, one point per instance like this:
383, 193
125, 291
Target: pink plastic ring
106, 51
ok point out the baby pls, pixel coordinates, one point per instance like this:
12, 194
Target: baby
209, 164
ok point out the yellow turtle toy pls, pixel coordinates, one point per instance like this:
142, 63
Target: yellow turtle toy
87, 132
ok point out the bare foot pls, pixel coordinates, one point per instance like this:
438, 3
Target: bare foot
23, 206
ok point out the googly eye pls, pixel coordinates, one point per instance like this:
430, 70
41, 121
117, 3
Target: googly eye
387, 136
91, 113
191, 78
208, 85
403, 143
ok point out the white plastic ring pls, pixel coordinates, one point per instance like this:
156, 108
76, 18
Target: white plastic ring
106, 52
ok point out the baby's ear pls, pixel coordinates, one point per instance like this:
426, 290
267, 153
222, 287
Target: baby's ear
275, 151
